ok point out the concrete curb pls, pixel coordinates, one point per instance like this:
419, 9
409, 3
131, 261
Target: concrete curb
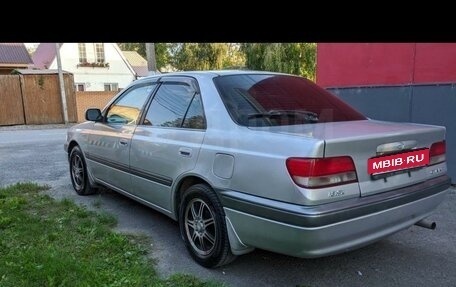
36, 127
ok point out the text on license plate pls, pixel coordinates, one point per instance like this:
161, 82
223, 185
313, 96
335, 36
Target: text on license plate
398, 161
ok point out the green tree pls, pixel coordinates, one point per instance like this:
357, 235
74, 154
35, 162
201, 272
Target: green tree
235, 58
198, 56
293, 58
162, 56
205, 56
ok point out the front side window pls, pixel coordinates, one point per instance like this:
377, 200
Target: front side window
274, 100
82, 53
127, 108
170, 105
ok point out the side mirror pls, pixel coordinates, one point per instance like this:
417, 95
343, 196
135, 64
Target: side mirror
93, 115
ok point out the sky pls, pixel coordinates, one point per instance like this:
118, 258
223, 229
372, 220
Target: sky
31, 45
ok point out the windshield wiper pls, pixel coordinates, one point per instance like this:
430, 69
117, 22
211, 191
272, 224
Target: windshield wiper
308, 116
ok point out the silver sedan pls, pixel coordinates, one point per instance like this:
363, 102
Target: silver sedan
245, 159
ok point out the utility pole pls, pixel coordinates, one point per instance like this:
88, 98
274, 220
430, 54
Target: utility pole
62, 84
151, 62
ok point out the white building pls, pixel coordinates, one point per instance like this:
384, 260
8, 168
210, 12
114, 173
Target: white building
95, 66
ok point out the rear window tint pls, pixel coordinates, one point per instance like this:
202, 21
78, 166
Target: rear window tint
268, 100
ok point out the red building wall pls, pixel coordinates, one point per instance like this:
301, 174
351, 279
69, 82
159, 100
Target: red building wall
403, 82
435, 63
385, 64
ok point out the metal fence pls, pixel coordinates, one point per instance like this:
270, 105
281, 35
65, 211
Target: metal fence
426, 104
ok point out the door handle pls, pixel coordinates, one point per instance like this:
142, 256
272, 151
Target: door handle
123, 142
185, 151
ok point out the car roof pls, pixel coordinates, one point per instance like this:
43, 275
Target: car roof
209, 73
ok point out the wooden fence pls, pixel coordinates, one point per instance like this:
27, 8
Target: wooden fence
35, 99
11, 105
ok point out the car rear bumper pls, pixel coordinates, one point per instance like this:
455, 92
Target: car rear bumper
314, 231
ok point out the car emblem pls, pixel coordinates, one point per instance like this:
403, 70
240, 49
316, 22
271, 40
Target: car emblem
400, 146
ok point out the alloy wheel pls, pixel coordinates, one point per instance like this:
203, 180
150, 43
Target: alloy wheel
200, 227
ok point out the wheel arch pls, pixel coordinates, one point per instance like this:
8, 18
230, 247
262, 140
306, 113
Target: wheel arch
71, 145
183, 184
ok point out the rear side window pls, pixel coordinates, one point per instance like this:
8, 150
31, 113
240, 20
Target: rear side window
270, 100
194, 119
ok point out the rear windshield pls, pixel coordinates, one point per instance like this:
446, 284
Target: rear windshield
271, 100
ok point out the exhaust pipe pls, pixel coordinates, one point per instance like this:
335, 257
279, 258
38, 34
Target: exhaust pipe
426, 224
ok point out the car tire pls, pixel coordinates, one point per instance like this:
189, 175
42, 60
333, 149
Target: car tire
78, 173
203, 227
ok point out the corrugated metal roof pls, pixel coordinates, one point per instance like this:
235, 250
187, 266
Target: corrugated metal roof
137, 62
44, 55
14, 53
134, 58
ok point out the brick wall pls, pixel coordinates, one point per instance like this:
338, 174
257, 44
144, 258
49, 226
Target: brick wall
85, 100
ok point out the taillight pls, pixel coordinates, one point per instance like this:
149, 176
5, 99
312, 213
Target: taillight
321, 172
437, 153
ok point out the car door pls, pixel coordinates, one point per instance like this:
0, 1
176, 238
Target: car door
167, 142
108, 151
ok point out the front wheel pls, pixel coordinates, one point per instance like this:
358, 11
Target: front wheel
78, 171
203, 228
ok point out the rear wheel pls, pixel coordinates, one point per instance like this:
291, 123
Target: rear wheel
203, 227
78, 171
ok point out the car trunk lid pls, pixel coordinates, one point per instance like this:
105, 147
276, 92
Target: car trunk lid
367, 139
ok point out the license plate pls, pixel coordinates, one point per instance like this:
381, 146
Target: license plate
400, 161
